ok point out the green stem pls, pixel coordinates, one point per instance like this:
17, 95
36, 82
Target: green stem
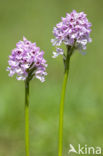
27, 117
62, 106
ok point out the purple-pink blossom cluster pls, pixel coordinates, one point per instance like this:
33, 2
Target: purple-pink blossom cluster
26, 61
73, 30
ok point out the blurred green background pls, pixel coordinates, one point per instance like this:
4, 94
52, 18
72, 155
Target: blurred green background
83, 119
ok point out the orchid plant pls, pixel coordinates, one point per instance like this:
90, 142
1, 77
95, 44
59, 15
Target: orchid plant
27, 62
73, 31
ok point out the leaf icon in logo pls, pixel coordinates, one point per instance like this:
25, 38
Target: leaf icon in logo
72, 149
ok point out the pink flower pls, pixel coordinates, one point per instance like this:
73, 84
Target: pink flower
27, 62
73, 30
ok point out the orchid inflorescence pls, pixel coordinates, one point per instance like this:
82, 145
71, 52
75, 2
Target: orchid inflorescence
73, 30
27, 61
